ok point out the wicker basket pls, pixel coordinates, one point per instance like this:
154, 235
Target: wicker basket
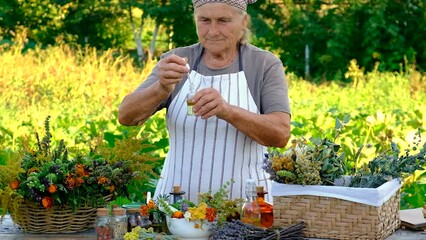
34, 218
334, 218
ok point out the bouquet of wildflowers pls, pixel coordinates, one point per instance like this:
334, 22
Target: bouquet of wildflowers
212, 207
49, 176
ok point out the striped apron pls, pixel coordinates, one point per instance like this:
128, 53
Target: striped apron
206, 153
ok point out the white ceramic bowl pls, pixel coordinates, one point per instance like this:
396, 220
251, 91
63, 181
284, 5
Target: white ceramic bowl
184, 229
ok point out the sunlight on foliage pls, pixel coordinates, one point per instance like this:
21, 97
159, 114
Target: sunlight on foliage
82, 88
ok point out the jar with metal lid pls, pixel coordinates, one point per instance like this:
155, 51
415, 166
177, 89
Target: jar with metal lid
118, 223
102, 224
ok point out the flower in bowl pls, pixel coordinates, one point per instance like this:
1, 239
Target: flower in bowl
185, 229
188, 220
188, 211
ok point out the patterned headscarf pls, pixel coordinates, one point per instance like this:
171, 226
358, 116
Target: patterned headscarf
241, 4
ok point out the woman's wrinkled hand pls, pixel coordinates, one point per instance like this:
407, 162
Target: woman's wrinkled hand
171, 71
209, 102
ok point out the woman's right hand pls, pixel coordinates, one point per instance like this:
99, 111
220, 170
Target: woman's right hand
171, 70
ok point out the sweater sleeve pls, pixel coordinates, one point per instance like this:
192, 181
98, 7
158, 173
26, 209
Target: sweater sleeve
266, 80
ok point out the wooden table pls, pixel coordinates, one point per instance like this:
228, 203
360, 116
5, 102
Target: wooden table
9, 231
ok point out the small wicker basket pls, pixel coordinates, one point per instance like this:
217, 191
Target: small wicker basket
334, 218
34, 218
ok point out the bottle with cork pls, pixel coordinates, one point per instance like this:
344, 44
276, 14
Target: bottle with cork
177, 194
266, 209
103, 225
118, 223
251, 212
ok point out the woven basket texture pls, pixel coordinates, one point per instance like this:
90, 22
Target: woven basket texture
34, 218
333, 218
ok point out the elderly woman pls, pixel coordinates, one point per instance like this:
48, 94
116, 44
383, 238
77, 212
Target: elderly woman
240, 104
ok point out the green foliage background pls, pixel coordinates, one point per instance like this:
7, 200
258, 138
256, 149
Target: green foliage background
82, 88
334, 31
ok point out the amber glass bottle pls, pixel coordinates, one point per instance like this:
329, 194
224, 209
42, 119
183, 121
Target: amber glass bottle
251, 211
266, 210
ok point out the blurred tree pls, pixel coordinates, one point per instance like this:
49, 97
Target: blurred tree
10, 16
314, 38
98, 23
337, 31
41, 18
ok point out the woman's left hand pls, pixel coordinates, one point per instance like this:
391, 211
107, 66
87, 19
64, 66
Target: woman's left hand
208, 103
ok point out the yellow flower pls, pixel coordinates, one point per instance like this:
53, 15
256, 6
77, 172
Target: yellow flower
282, 163
199, 212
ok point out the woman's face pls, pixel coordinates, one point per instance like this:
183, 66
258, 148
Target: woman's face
219, 26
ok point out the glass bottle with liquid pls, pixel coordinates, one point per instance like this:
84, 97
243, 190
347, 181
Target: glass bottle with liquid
189, 102
251, 211
266, 209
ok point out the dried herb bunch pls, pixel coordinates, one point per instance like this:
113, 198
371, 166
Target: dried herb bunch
391, 164
318, 162
236, 229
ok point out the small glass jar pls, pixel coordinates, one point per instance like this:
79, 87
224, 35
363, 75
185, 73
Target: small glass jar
118, 223
133, 218
190, 103
102, 224
144, 221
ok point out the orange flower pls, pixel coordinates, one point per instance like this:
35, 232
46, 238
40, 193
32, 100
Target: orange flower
47, 202
80, 170
144, 210
15, 184
112, 188
151, 204
79, 181
210, 214
52, 188
70, 181
102, 180
177, 214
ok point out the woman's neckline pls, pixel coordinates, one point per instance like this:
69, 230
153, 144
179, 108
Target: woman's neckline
216, 62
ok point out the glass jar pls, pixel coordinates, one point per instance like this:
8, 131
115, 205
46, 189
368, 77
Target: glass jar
118, 223
133, 218
145, 222
102, 224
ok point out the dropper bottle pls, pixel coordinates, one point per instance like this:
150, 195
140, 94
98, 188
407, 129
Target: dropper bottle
189, 101
190, 95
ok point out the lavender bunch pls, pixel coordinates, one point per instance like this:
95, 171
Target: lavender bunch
239, 230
